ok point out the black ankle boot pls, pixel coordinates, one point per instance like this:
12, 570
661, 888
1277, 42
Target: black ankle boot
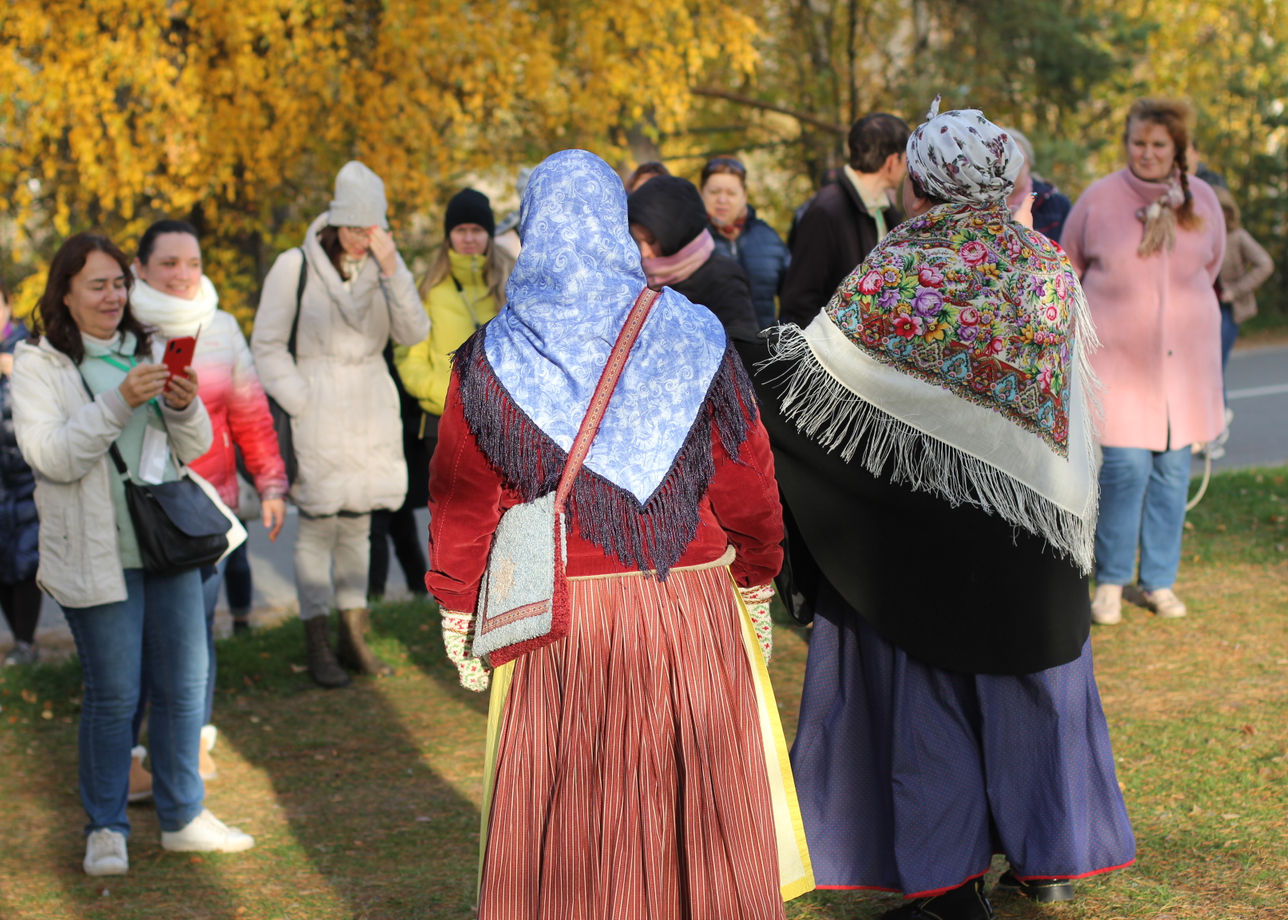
965, 902
1042, 890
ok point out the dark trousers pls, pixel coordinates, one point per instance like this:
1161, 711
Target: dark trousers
21, 603
400, 527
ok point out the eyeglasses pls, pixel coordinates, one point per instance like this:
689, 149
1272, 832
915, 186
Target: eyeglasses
725, 164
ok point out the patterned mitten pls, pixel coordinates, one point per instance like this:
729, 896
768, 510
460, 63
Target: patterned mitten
757, 599
457, 628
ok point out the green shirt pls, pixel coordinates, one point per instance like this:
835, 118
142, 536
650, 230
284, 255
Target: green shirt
104, 367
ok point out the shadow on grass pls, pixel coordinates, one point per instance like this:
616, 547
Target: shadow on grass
355, 772
40, 867
363, 801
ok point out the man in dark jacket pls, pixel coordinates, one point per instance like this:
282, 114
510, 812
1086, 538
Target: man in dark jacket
847, 219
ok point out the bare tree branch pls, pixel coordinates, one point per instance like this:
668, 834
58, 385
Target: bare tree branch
740, 99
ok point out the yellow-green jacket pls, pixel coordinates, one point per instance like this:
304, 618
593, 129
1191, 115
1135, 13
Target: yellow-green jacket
426, 368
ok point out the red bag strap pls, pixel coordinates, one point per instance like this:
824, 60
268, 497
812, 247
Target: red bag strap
603, 393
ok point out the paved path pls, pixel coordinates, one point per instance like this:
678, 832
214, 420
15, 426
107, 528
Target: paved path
1258, 393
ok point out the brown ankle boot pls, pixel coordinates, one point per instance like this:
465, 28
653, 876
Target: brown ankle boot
352, 651
323, 668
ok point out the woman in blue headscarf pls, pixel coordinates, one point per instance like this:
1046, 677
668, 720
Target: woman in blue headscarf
635, 764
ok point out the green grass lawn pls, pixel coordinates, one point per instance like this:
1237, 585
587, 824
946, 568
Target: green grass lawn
364, 802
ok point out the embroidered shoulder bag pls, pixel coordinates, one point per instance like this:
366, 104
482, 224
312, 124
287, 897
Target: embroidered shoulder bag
523, 600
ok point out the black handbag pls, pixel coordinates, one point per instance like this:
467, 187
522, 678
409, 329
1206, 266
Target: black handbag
176, 524
281, 418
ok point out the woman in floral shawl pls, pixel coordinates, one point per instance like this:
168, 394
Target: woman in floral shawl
932, 440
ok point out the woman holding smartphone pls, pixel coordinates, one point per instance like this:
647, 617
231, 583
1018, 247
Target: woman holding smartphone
87, 383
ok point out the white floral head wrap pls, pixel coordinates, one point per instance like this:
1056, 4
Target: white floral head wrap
961, 156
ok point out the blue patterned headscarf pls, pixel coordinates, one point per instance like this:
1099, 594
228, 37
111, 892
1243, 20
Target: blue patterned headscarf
572, 287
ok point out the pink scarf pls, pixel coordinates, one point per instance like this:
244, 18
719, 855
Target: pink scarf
664, 270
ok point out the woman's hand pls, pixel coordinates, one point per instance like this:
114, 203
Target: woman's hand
6, 365
274, 510
142, 383
181, 391
757, 599
1023, 212
383, 250
457, 629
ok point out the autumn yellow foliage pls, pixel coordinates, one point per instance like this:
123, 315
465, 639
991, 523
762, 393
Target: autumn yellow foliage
237, 115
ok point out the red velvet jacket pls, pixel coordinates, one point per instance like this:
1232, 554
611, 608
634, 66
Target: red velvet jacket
467, 496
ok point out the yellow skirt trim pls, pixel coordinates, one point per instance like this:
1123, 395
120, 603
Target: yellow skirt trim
795, 873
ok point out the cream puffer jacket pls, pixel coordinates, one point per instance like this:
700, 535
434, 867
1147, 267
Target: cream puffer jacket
344, 406
64, 437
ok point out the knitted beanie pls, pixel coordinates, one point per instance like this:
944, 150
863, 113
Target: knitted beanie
359, 198
671, 209
469, 206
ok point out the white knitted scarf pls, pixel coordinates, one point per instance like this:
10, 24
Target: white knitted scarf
173, 316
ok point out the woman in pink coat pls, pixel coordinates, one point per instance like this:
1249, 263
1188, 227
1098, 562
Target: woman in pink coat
1147, 242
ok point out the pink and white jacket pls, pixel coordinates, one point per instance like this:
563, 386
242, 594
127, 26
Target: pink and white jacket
228, 385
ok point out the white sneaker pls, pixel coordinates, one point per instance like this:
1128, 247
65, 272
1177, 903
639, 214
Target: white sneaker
1107, 606
1165, 604
204, 834
105, 853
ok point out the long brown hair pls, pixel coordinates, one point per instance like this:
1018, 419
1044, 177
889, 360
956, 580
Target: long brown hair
54, 319
496, 270
329, 237
1177, 117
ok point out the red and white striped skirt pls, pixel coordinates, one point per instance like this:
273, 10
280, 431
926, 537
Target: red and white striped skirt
630, 771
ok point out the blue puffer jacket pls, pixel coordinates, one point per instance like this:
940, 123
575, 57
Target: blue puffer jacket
763, 256
19, 529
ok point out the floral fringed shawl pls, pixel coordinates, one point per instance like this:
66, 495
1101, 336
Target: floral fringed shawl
955, 357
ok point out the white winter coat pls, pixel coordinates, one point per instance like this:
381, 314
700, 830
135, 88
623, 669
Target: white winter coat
64, 437
344, 405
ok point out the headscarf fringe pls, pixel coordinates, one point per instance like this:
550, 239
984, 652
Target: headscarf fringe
828, 413
649, 536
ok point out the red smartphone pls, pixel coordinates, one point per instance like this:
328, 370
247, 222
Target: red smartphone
179, 352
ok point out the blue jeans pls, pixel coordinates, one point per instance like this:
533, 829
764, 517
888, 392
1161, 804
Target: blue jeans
1142, 505
237, 578
160, 624
1229, 332
210, 578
